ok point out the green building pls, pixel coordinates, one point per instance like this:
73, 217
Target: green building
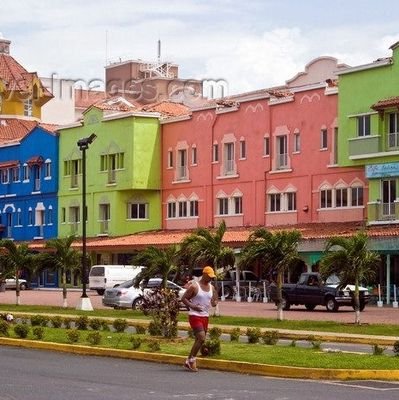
123, 173
368, 120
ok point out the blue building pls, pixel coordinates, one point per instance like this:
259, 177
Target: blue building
29, 184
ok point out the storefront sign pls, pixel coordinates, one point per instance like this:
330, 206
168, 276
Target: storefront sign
382, 170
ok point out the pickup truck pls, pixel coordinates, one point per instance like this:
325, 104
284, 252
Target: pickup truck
229, 282
311, 291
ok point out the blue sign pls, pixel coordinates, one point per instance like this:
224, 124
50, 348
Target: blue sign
382, 170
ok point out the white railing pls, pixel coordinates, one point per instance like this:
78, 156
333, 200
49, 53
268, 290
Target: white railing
229, 167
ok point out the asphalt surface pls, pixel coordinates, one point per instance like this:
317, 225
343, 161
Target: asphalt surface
39, 374
372, 314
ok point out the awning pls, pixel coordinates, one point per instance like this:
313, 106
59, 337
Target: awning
36, 160
386, 103
8, 164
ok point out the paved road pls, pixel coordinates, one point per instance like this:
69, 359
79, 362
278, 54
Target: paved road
372, 314
39, 375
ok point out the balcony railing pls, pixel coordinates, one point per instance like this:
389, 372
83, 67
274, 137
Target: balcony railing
104, 226
111, 176
393, 140
74, 181
383, 212
37, 185
282, 161
182, 173
229, 167
74, 227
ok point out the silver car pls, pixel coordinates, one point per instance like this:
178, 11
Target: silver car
11, 283
127, 296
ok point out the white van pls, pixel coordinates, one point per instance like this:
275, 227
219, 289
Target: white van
102, 277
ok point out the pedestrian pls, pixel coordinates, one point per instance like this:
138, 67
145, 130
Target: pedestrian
199, 297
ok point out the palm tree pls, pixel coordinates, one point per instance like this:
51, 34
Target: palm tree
352, 261
277, 252
18, 258
158, 262
204, 247
63, 258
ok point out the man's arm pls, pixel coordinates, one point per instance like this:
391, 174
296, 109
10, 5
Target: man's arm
215, 297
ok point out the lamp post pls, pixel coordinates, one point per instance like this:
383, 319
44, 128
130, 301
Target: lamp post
84, 303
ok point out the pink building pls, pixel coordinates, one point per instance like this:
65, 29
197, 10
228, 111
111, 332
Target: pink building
263, 158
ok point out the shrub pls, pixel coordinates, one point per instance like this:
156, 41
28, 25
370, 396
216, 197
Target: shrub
163, 305
56, 321
211, 347
120, 325
140, 330
38, 332
235, 335
4, 328
154, 329
136, 342
378, 350
82, 323
21, 330
215, 333
72, 335
95, 324
39, 320
94, 338
254, 335
270, 337
396, 348
68, 322
104, 325
316, 344
154, 345
293, 343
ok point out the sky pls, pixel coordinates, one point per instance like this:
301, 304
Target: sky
249, 44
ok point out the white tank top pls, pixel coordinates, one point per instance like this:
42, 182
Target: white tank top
202, 299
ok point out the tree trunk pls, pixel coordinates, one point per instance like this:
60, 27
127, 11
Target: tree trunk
64, 290
357, 303
17, 292
280, 313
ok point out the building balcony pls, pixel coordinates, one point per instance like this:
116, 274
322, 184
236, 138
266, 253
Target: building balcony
383, 213
373, 146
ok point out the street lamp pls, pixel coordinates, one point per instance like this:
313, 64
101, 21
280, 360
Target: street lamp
83, 144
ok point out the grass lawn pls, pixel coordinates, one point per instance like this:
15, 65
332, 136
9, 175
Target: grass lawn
322, 326
253, 353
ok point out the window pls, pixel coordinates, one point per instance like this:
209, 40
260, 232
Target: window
30, 217
326, 198
182, 209
170, 159
297, 143
104, 217
25, 172
393, 131
363, 125
274, 202
243, 150
74, 214
63, 215
194, 156
335, 155
291, 201
111, 163
215, 153
19, 217
223, 206
15, 174
341, 197
182, 165
47, 169
237, 201
282, 152
28, 108
50, 216
171, 210
357, 196
193, 208
229, 159
266, 146
4, 175
138, 211
73, 168
323, 139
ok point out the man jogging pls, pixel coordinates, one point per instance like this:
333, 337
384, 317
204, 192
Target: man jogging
199, 298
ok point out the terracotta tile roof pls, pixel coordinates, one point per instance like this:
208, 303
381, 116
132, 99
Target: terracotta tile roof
385, 103
167, 109
238, 236
16, 77
86, 98
14, 129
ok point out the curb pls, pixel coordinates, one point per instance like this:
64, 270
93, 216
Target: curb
220, 365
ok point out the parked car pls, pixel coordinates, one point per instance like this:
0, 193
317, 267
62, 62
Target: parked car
11, 283
127, 296
311, 291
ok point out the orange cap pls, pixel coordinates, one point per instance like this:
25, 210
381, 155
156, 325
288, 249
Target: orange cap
209, 271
